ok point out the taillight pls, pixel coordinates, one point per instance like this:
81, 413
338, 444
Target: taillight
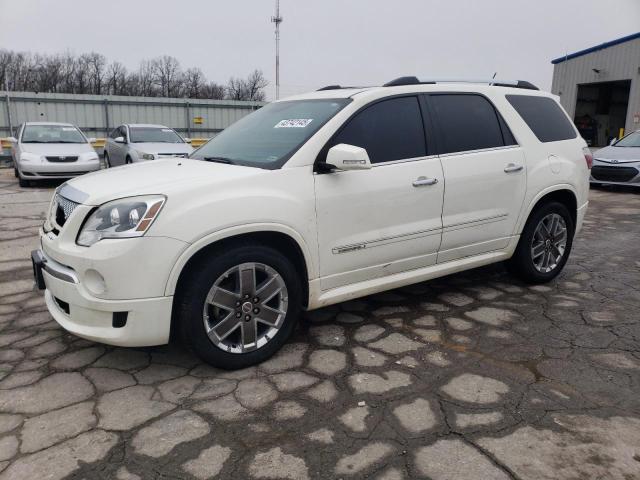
588, 157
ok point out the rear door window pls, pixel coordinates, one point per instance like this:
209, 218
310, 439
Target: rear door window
389, 130
544, 117
468, 122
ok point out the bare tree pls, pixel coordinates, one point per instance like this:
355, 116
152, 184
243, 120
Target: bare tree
168, 75
213, 91
116, 79
251, 88
194, 83
145, 77
96, 64
91, 73
256, 83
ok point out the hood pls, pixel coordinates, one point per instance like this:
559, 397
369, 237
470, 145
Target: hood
157, 177
621, 154
157, 148
56, 148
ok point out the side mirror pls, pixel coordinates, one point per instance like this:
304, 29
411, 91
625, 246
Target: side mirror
348, 157
13, 139
613, 141
187, 140
92, 140
119, 139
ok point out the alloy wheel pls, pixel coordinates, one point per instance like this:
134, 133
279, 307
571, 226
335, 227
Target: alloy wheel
245, 308
549, 243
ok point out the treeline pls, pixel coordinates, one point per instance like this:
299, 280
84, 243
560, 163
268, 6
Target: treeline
92, 73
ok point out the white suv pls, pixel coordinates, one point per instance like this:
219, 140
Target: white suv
311, 201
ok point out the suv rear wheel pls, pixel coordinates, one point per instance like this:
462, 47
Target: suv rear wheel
544, 245
238, 307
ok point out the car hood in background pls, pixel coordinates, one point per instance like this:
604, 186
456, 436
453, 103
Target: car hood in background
159, 148
158, 177
621, 154
56, 148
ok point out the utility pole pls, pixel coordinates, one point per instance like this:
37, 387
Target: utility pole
277, 19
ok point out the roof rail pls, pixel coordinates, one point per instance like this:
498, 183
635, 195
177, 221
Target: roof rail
335, 87
495, 82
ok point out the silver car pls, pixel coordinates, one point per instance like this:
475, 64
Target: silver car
45, 150
619, 163
131, 143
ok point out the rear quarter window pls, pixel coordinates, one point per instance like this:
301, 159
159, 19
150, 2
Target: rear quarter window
544, 116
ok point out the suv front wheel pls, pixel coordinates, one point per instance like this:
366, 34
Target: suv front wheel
239, 306
544, 245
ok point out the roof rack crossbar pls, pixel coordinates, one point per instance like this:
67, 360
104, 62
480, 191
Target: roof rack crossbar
495, 82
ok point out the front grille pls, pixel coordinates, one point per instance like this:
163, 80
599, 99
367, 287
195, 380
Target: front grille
62, 159
613, 174
63, 210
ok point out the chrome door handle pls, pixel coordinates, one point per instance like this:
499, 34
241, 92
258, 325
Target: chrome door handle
422, 181
512, 167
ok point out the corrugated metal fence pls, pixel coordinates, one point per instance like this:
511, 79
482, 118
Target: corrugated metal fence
97, 115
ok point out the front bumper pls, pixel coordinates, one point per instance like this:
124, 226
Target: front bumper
627, 173
126, 323
45, 170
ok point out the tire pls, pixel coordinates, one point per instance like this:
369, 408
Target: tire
106, 160
15, 172
202, 283
128, 160
23, 183
532, 267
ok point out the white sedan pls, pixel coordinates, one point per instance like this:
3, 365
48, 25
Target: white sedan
45, 150
133, 143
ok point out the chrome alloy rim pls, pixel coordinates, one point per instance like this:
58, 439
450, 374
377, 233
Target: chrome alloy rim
245, 307
549, 243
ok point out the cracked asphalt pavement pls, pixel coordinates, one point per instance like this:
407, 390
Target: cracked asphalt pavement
472, 376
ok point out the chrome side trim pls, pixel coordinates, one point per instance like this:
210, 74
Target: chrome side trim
474, 223
72, 193
480, 150
56, 269
386, 240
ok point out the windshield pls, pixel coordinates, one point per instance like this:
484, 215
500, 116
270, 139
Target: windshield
153, 135
52, 134
268, 137
631, 140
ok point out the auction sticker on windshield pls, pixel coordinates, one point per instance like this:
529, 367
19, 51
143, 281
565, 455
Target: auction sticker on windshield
293, 123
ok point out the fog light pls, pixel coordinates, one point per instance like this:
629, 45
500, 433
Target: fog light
94, 282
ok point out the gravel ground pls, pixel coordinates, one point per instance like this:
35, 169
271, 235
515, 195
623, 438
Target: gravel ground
473, 376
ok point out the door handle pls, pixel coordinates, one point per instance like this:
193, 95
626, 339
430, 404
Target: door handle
422, 181
512, 167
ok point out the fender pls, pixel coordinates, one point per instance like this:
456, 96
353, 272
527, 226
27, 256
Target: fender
216, 236
553, 188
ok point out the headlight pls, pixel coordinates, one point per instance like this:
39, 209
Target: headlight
29, 157
146, 156
89, 156
123, 218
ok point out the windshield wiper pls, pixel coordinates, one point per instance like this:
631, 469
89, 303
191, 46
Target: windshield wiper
219, 160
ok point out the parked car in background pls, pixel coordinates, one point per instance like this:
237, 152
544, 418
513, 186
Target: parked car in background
46, 150
619, 163
132, 143
310, 201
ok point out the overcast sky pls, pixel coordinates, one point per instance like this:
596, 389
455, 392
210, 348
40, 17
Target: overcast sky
351, 42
